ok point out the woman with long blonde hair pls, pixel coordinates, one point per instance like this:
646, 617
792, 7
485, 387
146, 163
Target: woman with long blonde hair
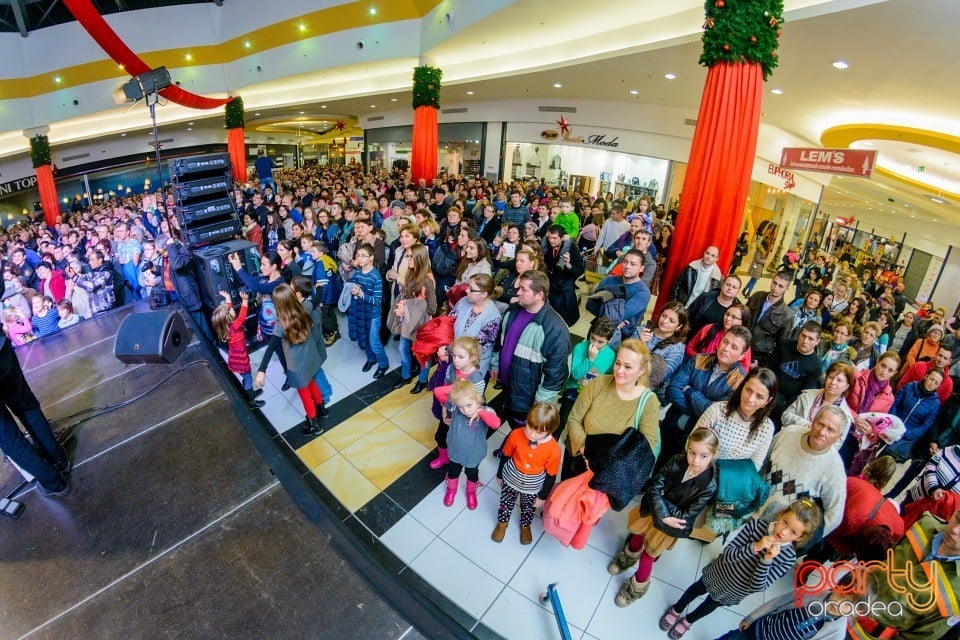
411, 313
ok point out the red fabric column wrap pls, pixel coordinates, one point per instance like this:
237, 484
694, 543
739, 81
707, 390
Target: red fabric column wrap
48, 194
423, 154
719, 170
90, 19
237, 149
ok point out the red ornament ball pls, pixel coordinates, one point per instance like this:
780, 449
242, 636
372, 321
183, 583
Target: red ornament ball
719, 4
726, 47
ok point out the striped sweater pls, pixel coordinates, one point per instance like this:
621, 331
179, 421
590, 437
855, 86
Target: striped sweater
940, 471
738, 571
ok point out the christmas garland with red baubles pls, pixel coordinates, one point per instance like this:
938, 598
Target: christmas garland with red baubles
742, 31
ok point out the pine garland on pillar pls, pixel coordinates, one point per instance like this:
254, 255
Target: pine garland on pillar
742, 31
426, 102
41, 160
234, 120
740, 40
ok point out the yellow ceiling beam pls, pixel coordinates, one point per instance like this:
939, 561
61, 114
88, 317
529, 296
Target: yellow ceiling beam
841, 137
351, 15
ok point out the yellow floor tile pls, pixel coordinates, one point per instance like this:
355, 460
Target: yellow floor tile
418, 421
353, 428
384, 454
346, 483
396, 401
316, 452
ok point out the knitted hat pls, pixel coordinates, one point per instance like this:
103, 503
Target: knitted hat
935, 327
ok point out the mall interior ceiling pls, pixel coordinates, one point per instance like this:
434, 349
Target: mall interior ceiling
845, 67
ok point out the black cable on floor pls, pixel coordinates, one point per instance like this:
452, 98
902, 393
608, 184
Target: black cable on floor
113, 407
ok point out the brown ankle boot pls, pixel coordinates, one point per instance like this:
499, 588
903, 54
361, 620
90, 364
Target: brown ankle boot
526, 536
499, 531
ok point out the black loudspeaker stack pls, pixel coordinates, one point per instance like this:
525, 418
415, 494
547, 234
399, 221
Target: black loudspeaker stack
155, 337
203, 189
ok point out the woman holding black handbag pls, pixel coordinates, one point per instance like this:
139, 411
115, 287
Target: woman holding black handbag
603, 426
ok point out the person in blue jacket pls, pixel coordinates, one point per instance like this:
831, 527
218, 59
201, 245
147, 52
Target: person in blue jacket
917, 404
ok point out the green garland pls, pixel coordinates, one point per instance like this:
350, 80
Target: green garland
233, 113
742, 31
40, 151
426, 87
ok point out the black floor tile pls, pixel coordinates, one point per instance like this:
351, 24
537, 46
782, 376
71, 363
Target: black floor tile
373, 547
428, 592
380, 514
414, 485
380, 387
262, 572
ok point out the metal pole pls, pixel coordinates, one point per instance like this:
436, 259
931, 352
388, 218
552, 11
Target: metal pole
152, 101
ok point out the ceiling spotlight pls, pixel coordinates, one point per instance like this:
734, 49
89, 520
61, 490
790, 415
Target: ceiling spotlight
373, 11
840, 64
301, 113
190, 123
57, 79
393, 99
246, 44
373, 106
303, 27
670, 76
557, 85
469, 93
188, 57
189, 128
323, 106
123, 135
256, 114
776, 92
634, 92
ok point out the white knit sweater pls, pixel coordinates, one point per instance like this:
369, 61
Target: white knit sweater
797, 471
736, 442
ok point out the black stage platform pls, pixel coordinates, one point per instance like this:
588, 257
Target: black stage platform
176, 526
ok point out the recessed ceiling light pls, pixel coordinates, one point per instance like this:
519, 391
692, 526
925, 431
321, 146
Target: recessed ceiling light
189, 128
670, 76
301, 113
373, 11
634, 92
373, 106
303, 27
188, 57
190, 123
256, 114
469, 93
937, 200
393, 99
246, 44
840, 64
557, 85
57, 79
323, 106
123, 135
776, 92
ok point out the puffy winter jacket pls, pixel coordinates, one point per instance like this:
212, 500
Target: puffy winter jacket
540, 362
572, 510
690, 389
918, 409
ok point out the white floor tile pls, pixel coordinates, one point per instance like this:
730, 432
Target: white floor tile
407, 538
488, 468
431, 512
679, 566
467, 585
281, 414
514, 616
349, 375
469, 533
583, 576
610, 621
610, 533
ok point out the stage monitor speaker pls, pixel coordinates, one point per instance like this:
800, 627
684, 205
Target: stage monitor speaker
216, 274
153, 337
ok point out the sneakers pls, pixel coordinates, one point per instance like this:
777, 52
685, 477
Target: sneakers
499, 531
631, 591
379, 373
322, 411
311, 427
58, 493
623, 561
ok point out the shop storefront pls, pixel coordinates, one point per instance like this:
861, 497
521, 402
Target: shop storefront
461, 148
588, 160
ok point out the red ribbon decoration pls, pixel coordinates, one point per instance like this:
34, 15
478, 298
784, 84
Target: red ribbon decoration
90, 19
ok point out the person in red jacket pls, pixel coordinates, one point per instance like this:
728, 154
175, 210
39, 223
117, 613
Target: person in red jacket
50, 282
866, 508
228, 325
871, 391
940, 362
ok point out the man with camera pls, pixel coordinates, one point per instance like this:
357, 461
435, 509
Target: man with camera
151, 274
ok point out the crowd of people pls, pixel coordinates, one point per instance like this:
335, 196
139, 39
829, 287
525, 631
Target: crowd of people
775, 423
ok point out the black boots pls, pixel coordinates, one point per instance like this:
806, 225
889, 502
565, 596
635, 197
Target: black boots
252, 401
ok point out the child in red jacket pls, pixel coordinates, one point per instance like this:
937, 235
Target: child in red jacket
529, 465
228, 325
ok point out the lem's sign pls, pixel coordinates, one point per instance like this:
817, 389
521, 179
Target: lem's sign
846, 162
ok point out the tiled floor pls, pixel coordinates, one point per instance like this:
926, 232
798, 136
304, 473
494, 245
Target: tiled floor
374, 460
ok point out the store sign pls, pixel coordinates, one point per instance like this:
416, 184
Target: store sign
847, 162
16, 186
789, 180
597, 139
